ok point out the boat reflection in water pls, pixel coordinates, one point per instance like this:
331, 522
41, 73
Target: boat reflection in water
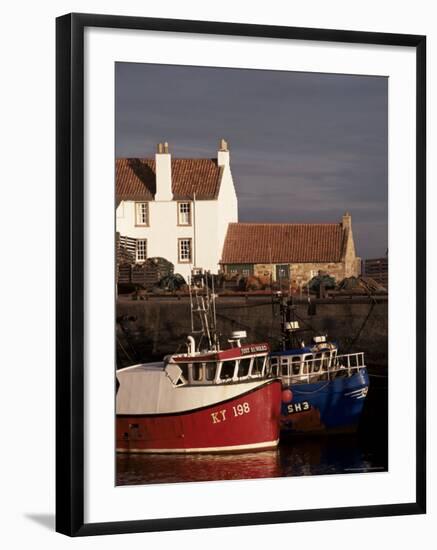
135, 469
325, 455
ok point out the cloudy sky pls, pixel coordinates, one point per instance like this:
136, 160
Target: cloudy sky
305, 147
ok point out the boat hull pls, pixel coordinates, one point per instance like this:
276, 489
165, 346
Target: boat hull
326, 406
249, 421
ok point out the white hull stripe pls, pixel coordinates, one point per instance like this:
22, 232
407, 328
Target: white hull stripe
199, 394
355, 393
229, 448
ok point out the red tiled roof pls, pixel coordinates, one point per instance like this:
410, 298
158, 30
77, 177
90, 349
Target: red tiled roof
250, 243
136, 178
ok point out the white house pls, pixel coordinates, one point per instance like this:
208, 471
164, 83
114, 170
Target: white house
178, 209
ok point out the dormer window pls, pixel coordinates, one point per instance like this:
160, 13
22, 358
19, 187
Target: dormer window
184, 213
142, 213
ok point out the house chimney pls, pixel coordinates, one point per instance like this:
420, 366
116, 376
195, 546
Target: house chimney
163, 173
223, 153
346, 221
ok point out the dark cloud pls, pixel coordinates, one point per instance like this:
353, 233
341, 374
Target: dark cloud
305, 147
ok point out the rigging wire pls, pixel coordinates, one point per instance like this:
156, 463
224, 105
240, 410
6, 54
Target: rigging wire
124, 350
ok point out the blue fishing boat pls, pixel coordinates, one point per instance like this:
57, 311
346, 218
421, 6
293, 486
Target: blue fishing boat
322, 390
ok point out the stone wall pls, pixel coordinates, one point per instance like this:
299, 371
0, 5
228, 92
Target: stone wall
304, 272
154, 328
300, 273
350, 260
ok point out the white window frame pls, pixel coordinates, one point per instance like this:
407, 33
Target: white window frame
188, 213
141, 254
182, 260
142, 214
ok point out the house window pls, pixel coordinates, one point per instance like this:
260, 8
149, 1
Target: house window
141, 250
184, 213
184, 252
141, 213
244, 269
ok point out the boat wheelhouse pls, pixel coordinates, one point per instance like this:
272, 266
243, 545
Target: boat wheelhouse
307, 366
205, 400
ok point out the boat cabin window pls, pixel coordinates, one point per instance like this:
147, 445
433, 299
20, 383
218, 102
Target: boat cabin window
268, 367
284, 366
227, 371
275, 366
308, 365
317, 363
243, 367
197, 372
295, 364
258, 365
210, 371
333, 360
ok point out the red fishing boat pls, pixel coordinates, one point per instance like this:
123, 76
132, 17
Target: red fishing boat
206, 400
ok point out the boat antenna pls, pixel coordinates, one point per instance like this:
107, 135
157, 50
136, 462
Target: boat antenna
203, 308
191, 303
197, 304
202, 302
214, 315
289, 325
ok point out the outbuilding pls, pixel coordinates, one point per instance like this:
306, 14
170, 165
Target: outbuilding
291, 251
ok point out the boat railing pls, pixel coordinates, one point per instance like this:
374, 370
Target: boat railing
300, 369
351, 361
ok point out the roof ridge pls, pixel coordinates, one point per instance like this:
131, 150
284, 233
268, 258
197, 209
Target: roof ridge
285, 223
259, 243
173, 158
136, 178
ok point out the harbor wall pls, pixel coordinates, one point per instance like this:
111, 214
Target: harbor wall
148, 330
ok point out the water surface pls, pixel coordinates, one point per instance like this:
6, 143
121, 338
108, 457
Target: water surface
365, 451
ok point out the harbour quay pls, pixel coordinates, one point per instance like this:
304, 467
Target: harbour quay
148, 329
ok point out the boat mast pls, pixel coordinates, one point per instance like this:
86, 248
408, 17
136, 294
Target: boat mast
214, 316
191, 304
204, 306
289, 323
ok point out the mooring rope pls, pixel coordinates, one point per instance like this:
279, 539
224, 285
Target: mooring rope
311, 392
372, 305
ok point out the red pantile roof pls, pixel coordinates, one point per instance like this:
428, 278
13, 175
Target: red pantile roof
253, 243
136, 178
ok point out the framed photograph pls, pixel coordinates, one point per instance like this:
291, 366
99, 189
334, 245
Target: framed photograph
240, 274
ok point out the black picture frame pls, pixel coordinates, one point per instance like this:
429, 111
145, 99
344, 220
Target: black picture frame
70, 273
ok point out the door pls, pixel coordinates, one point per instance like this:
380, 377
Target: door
282, 272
